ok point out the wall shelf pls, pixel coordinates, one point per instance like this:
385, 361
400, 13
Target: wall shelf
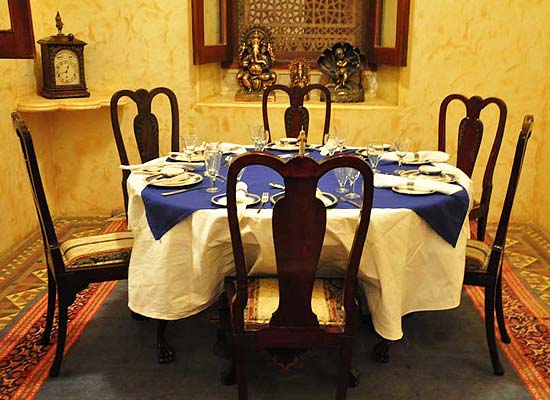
36, 103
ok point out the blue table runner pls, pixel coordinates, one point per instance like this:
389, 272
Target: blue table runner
444, 213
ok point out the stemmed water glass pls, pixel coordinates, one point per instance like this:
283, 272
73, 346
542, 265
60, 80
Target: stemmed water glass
352, 175
374, 154
189, 143
401, 148
260, 137
340, 136
341, 177
212, 161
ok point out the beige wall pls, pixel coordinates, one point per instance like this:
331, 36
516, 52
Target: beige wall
476, 49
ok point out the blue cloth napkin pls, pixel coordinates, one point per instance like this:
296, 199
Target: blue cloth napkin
444, 213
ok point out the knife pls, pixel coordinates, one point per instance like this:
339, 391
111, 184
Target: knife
356, 204
181, 191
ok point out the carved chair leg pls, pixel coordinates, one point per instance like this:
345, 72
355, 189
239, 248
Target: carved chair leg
490, 330
61, 338
381, 351
45, 339
500, 312
166, 352
344, 373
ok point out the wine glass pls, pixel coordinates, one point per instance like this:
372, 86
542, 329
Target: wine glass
341, 177
352, 176
189, 143
212, 161
340, 136
374, 154
401, 148
259, 137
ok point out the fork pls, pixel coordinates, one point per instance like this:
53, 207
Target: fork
265, 199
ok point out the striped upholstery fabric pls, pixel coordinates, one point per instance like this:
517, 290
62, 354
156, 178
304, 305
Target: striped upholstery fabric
263, 300
97, 251
477, 256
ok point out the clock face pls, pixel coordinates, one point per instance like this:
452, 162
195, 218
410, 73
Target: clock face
66, 68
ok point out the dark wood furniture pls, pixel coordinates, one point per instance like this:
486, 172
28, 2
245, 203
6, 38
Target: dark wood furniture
18, 40
484, 261
146, 133
75, 263
299, 223
296, 115
470, 135
146, 127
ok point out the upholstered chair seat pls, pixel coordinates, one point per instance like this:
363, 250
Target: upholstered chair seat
477, 256
98, 251
263, 300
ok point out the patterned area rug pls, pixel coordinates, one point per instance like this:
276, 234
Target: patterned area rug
526, 301
24, 364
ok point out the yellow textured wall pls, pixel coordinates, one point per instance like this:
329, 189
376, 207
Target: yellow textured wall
453, 47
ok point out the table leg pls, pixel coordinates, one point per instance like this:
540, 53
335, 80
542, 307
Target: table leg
381, 351
166, 352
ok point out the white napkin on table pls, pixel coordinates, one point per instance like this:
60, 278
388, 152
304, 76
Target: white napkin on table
330, 144
388, 181
157, 166
326, 201
232, 148
425, 155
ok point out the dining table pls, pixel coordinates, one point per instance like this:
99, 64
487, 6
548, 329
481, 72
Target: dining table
413, 259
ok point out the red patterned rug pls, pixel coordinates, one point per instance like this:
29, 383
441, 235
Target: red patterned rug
24, 364
526, 302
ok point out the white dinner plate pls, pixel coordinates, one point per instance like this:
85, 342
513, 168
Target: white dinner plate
403, 189
221, 199
186, 179
195, 157
331, 199
447, 177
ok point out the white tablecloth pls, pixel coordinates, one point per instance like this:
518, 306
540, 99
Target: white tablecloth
405, 267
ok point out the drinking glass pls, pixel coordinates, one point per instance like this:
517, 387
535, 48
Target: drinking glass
259, 137
352, 176
340, 136
341, 178
189, 143
401, 148
374, 154
212, 161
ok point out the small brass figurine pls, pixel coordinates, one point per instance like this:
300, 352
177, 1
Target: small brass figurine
299, 73
256, 58
343, 64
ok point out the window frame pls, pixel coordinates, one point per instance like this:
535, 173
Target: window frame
396, 55
18, 41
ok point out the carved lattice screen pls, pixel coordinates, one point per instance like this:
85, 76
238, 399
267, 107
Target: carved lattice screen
305, 27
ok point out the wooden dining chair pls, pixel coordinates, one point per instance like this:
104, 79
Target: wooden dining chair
146, 133
470, 136
296, 115
294, 309
75, 263
146, 127
484, 261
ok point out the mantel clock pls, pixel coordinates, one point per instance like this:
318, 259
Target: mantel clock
62, 65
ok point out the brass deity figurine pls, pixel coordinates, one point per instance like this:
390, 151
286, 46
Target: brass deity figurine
256, 58
343, 64
299, 73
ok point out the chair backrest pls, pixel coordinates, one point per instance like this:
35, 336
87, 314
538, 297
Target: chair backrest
502, 230
51, 244
146, 127
298, 225
470, 133
296, 115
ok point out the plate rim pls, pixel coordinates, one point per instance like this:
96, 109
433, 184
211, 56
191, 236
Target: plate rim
412, 192
160, 184
333, 197
256, 198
